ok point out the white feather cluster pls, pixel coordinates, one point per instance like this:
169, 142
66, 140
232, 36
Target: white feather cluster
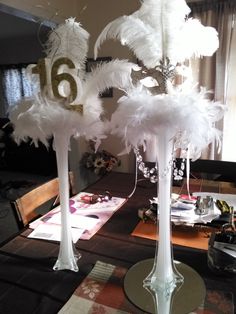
160, 29
39, 119
196, 40
187, 115
68, 39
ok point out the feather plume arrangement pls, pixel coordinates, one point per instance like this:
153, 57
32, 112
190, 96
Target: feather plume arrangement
187, 115
161, 36
40, 116
68, 39
159, 29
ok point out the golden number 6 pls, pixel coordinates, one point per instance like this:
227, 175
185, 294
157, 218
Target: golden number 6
56, 79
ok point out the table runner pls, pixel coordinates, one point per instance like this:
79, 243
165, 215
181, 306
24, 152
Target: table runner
101, 292
100, 211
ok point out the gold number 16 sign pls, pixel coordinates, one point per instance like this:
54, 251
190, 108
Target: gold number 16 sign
52, 77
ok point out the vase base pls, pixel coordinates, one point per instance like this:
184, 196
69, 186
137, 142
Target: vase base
69, 264
165, 288
187, 296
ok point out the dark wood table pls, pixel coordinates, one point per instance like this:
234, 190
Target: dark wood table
29, 285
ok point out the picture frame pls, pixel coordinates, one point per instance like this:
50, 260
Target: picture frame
92, 63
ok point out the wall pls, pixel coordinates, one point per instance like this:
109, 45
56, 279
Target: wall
58, 10
55, 10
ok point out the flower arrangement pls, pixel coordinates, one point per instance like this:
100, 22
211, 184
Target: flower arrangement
100, 162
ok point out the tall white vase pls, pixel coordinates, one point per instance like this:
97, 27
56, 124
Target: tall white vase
67, 258
164, 276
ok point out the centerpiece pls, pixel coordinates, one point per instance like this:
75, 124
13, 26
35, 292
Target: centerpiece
66, 103
163, 103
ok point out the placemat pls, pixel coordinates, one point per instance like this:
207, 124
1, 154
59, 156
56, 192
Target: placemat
181, 235
101, 292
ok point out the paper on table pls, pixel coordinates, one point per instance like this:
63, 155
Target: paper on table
78, 221
178, 205
53, 232
189, 216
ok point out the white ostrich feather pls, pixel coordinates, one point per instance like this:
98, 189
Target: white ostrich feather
143, 31
159, 29
68, 40
116, 73
139, 37
187, 115
151, 11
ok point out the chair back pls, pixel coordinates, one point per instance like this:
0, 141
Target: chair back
25, 206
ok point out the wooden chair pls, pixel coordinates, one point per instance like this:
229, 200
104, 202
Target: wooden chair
25, 207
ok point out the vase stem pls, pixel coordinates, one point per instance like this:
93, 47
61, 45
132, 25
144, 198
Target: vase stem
67, 258
164, 276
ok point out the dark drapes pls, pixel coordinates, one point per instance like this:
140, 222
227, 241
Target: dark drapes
215, 5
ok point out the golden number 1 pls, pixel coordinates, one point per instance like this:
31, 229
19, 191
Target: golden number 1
41, 70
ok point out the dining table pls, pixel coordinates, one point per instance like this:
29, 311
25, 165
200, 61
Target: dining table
29, 285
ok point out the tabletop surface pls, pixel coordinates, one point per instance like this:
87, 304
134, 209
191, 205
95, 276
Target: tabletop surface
27, 281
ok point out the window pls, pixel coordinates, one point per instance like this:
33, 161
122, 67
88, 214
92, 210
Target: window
218, 72
14, 86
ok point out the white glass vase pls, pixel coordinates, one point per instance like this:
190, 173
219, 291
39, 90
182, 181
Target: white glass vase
164, 276
68, 257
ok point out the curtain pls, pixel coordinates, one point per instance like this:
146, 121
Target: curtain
229, 129
3, 100
215, 73
13, 86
